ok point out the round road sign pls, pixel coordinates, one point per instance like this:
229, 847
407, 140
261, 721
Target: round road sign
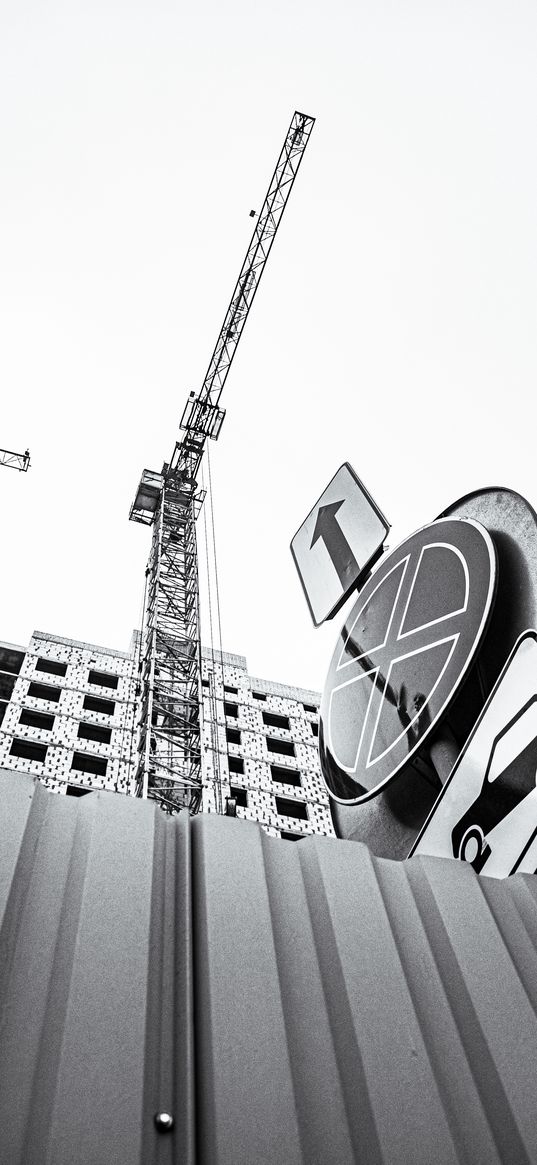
402, 654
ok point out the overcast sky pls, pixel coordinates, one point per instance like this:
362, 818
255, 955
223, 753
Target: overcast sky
394, 326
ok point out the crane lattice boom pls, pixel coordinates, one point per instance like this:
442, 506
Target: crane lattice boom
169, 757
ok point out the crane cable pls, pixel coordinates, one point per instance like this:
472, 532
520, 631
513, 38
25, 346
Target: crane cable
212, 693
137, 673
218, 609
215, 561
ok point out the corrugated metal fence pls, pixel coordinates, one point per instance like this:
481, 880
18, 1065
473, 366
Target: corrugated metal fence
284, 1002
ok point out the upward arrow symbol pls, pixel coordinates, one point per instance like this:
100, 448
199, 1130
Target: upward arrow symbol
328, 528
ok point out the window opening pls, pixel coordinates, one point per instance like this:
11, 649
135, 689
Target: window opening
44, 692
285, 776
11, 660
235, 765
29, 749
285, 747
86, 763
7, 683
274, 721
288, 808
103, 678
51, 665
94, 704
36, 719
94, 732
239, 795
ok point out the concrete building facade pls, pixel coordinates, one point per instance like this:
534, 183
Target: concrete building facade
68, 713
259, 747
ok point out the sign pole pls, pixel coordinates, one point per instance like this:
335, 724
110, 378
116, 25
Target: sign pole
444, 752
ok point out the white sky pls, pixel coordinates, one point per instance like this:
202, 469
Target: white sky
394, 326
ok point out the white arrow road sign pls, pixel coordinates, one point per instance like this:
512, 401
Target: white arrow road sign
342, 536
486, 813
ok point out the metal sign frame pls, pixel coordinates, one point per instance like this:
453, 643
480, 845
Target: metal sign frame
363, 568
513, 711
389, 565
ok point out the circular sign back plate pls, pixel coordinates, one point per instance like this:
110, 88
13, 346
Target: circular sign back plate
402, 654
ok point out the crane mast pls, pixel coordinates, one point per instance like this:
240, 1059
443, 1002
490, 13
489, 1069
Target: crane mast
169, 750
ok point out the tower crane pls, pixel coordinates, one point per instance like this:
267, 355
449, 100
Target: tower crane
19, 461
169, 748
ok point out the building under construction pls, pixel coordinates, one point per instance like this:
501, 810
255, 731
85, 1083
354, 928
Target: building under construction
168, 720
70, 717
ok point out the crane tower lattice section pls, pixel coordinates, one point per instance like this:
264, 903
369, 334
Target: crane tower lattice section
169, 754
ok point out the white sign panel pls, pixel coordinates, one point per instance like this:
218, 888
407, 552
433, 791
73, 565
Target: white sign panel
486, 813
341, 537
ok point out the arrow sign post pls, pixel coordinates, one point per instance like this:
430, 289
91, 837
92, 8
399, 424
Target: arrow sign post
337, 544
328, 528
